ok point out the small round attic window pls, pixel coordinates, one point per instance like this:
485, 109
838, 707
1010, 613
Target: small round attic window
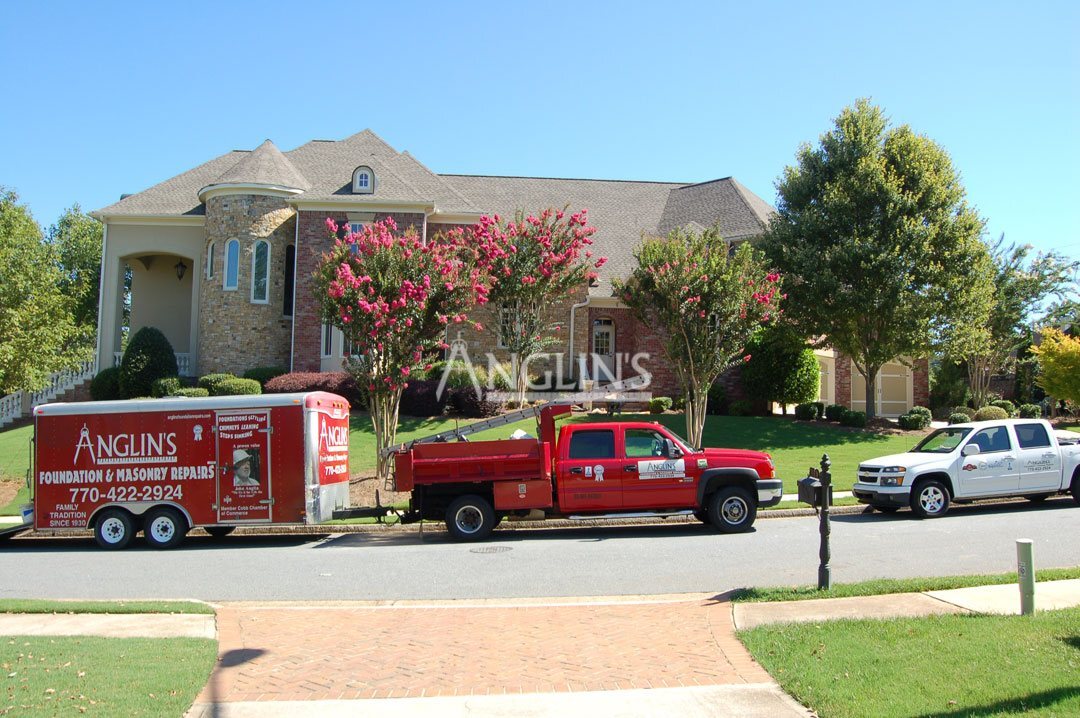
363, 180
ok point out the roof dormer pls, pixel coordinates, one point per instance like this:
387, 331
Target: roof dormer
363, 180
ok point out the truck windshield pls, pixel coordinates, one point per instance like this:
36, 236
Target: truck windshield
678, 439
942, 441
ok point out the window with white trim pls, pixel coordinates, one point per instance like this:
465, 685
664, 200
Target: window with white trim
327, 340
210, 260
260, 272
506, 325
363, 180
232, 264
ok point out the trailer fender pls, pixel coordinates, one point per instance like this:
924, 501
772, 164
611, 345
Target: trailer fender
138, 508
714, 479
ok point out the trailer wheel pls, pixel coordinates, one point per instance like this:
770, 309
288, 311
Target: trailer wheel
470, 518
164, 527
732, 510
113, 529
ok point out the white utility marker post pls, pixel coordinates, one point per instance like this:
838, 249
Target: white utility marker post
1025, 571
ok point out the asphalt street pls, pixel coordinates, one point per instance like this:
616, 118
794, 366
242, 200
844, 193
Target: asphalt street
585, 561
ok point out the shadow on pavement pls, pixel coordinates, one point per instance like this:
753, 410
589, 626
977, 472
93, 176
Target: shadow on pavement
987, 508
32, 545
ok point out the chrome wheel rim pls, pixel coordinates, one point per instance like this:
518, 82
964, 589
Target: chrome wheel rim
733, 510
469, 519
932, 499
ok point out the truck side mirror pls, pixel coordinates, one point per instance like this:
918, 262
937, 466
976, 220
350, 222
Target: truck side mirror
970, 450
670, 450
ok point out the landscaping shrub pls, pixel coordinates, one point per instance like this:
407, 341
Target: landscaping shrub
835, 412
853, 418
659, 404
237, 387
149, 356
781, 367
335, 382
678, 403
959, 418
922, 411
806, 412
819, 407
741, 407
966, 410
1005, 405
211, 382
263, 374
191, 392
948, 384
421, 398
718, 403
165, 386
1030, 411
913, 422
466, 402
990, 413
105, 386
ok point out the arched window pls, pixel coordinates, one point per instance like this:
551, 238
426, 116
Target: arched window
260, 272
210, 260
363, 180
232, 264
290, 279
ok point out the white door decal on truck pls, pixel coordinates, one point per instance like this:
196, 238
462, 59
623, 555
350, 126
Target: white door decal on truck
662, 469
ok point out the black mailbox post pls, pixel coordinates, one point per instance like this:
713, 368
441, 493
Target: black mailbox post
816, 490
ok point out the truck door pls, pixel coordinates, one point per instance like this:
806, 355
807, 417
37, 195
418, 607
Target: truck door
1039, 459
994, 470
590, 477
650, 478
244, 487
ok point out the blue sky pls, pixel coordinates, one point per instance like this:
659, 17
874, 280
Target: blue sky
109, 98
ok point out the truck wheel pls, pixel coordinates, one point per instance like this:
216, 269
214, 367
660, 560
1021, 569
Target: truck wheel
220, 532
732, 510
113, 529
470, 518
930, 499
164, 527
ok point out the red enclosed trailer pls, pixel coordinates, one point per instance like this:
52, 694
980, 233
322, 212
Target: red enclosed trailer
163, 466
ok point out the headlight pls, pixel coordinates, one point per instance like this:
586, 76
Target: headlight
894, 470
892, 481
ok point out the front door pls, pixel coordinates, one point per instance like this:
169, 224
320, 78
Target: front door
994, 470
1040, 462
590, 479
244, 489
652, 480
604, 370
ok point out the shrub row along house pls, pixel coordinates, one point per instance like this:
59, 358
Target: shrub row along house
221, 258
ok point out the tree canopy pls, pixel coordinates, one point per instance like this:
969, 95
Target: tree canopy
76, 240
1059, 365
782, 368
877, 246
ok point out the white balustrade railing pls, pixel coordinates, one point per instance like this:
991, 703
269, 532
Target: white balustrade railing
11, 408
14, 406
183, 362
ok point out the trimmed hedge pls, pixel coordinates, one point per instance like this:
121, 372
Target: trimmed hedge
263, 374
820, 407
835, 412
918, 417
191, 392
856, 419
237, 387
420, 398
965, 410
1005, 405
105, 386
990, 413
148, 356
466, 402
959, 418
210, 382
806, 412
1030, 411
335, 382
741, 407
166, 386
659, 404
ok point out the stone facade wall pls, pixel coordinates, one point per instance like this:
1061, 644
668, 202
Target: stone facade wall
236, 334
312, 241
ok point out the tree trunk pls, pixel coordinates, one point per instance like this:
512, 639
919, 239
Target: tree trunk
696, 402
871, 392
384, 419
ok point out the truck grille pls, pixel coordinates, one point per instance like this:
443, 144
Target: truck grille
868, 475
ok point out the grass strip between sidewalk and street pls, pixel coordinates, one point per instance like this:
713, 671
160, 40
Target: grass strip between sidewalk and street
84, 675
33, 605
974, 665
881, 586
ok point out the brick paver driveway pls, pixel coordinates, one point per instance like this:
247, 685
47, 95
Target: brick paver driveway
342, 651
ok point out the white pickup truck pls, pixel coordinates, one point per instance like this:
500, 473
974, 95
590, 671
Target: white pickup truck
979, 460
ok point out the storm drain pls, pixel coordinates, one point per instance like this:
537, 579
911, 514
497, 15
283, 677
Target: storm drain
490, 549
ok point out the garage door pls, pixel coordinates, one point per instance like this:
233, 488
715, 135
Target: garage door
894, 390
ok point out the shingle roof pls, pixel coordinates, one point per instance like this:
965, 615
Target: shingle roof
620, 210
264, 166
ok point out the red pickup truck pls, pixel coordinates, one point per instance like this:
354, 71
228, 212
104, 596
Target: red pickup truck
586, 471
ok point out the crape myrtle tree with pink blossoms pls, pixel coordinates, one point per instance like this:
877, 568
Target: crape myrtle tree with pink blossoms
709, 300
392, 296
535, 262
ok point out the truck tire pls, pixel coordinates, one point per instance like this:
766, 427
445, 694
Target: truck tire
470, 518
220, 532
113, 529
732, 510
929, 499
164, 527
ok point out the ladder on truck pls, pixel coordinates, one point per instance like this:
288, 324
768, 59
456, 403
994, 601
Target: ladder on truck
513, 416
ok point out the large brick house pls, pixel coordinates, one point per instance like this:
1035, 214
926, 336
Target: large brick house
221, 256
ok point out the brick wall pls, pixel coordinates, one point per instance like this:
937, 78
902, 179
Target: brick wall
843, 380
920, 382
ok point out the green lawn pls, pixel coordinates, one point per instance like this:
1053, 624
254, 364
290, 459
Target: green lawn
880, 586
80, 675
934, 666
33, 605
